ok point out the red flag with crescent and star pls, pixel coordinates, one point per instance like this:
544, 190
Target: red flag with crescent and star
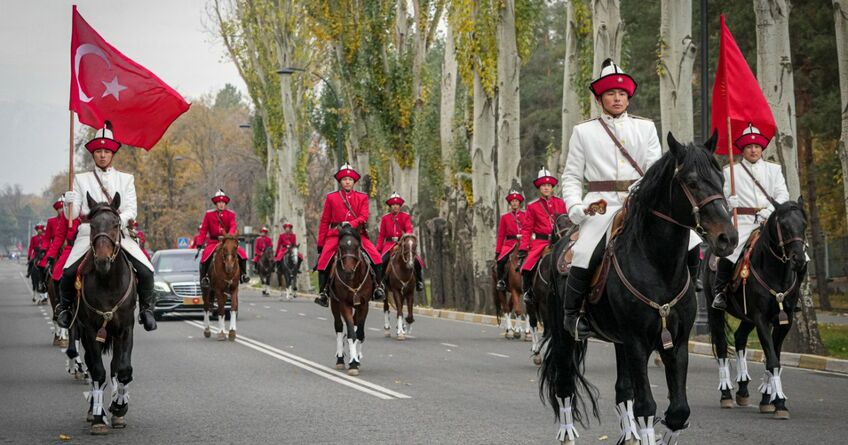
737, 94
107, 85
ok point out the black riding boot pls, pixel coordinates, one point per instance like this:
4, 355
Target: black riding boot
205, 285
722, 278
527, 286
576, 288
379, 293
67, 292
419, 277
243, 267
146, 296
322, 298
501, 286
693, 260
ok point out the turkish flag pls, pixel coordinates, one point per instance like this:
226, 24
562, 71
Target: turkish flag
107, 85
737, 94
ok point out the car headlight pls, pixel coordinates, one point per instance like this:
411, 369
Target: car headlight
161, 286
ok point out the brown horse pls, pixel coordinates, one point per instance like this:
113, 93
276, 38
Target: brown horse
351, 285
400, 281
224, 273
508, 302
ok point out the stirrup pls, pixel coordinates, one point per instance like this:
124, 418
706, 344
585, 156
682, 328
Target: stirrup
576, 331
63, 319
720, 302
501, 286
528, 298
419, 286
322, 299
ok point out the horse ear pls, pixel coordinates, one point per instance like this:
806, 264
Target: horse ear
91, 202
673, 146
116, 201
710, 143
801, 201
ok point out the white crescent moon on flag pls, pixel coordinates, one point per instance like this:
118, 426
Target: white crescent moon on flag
82, 50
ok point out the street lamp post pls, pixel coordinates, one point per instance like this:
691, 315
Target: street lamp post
289, 70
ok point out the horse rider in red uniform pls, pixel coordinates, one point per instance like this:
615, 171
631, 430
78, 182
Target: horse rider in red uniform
284, 241
197, 241
393, 226
345, 207
262, 242
539, 225
52, 235
33, 249
61, 242
139, 238
509, 234
218, 222
102, 185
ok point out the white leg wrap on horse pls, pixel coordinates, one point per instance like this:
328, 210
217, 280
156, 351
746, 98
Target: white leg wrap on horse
339, 344
63, 333
647, 436
566, 422
120, 392
765, 383
669, 438
206, 319
526, 323
627, 422
95, 396
507, 323
724, 375
221, 323
400, 324
351, 346
777, 385
233, 317
742, 366
358, 350
69, 365
386, 324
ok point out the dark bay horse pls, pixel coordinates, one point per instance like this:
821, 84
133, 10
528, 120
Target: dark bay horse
648, 303
266, 269
224, 273
105, 308
400, 282
351, 285
508, 302
765, 301
287, 271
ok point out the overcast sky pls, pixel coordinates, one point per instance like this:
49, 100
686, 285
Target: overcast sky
168, 37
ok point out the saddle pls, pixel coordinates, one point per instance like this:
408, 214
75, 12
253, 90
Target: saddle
599, 278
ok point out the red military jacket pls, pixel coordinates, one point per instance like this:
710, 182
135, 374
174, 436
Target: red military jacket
336, 211
509, 231
392, 227
283, 242
141, 240
539, 219
197, 241
51, 234
211, 226
259, 246
34, 243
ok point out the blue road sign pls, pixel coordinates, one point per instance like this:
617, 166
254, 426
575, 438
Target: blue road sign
182, 242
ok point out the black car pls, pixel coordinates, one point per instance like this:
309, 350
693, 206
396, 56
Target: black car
177, 283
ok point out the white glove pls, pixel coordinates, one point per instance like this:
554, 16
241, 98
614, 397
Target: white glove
763, 214
71, 197
733, 202
577, 215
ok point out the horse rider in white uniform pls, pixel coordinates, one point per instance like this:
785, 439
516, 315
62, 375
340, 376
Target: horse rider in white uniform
102, 184
759, 186
609, 154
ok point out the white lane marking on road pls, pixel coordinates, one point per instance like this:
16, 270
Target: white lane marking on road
495, 354
317, 369
267, 307
321, 318
450, 345
283, 310
374, 329
301, 314
253, 304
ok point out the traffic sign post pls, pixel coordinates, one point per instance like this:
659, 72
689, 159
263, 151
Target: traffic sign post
182, 242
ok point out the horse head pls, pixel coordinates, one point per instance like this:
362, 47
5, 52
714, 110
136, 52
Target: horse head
105, 223
349, 253
697, 200
562, 226
408, 249
786, 228
292, 253
228, 251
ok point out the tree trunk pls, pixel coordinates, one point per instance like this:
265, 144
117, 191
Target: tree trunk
774, 73
840, 16
571, 111
805, 144
509, 107
447, 108
676, 59
608, 32
405, 182
484, 192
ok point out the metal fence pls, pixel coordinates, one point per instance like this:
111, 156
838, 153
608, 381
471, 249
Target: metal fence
836, 258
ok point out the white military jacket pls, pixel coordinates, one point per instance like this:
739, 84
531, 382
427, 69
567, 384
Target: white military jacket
114, 182
771, 178
593, 156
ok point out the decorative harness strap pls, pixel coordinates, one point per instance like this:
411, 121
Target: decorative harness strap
621, 148
760, 186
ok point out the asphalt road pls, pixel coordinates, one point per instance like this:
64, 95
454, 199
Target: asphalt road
454, 382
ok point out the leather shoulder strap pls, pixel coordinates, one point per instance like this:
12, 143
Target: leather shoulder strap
102, 188
757, 183
621, 148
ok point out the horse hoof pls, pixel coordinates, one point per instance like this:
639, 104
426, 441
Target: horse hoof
537, 359
528, 336
232, 335
99, 429
119, 422
767, 409
207, 333
222, 336
387, 332
89, 418
63, 344
353, 371
507, 334
726, 404
401, 337
55, 340
742, 401
781, 414
516, 334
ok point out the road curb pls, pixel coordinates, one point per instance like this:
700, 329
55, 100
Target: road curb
791, 359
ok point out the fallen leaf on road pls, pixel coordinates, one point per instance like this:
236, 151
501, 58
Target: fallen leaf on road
64, 437
604, 437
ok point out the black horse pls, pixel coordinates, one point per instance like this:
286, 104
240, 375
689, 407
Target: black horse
287, 270
104, 319
765, 301
648, 303
265, 268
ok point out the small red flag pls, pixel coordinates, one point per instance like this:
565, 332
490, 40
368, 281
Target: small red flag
107, 85
737, 94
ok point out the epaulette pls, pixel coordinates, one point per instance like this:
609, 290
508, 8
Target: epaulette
640, 117
587, 120
211, 210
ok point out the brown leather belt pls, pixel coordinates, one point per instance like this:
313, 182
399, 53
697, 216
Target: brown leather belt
610, 186
747, 211
511, 237
393, 239
542, 236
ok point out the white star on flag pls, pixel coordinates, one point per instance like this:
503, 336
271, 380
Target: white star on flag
113, 88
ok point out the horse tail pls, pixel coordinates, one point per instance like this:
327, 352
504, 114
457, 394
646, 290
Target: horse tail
561, 375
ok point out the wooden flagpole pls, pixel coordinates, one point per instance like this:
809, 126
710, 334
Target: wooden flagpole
69, 209
732, 177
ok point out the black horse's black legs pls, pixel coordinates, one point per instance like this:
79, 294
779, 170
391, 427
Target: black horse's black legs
629, 430
778, 335
742, 375
98, 379
121, 368
676, 361
771, 387
644, 406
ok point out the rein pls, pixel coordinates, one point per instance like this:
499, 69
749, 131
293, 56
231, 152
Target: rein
105, 315
696, 206
782, 244
337, 263
214, 264
116, 242
391, 267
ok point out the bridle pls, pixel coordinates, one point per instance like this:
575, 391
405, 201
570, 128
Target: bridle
340, 256
116, 241
781, 243
407, 255
696, 205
